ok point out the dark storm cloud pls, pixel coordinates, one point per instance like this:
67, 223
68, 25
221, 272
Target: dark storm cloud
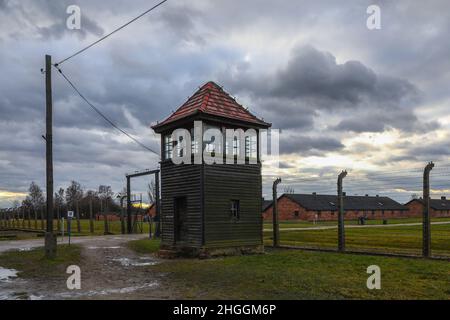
181, 23
313, 81
46, 19
360, 125
430, 150
145, 71
308, 145
381, 120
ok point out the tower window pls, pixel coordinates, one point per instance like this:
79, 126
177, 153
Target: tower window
194, 143
168, 147
251, 146
235, 209
236, 146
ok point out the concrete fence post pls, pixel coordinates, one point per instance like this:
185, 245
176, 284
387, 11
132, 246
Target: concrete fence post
426, 225
341, 213
29, 217
35, 218
42, 218
23, 217
276, 226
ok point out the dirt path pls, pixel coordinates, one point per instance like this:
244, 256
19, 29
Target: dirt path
109, 270
35, 243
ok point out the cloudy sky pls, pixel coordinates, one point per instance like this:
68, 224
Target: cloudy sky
374, 102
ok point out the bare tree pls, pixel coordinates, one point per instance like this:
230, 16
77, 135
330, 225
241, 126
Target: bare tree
288, 190
105, 194
73, 194
35, 197
59, 202
16, 204
414, 196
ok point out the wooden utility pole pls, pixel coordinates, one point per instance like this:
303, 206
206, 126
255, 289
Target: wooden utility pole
50, 239
426, 239
341, 229
276, 226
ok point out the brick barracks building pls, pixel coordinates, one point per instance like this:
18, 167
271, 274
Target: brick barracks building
325, 207
438, 207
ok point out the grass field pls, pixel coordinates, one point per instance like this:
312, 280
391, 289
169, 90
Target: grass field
33, 264
114, 227
277, 274
144, 246
308, 224
296, 274
392, 239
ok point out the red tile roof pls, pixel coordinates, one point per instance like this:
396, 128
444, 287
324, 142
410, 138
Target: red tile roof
211, 99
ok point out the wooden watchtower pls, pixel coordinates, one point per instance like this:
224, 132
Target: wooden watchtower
209, 209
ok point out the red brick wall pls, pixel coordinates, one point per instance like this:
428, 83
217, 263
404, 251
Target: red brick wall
287, 209
152, 211
416, 210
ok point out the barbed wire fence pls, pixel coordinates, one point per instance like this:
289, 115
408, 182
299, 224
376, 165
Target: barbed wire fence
377, 231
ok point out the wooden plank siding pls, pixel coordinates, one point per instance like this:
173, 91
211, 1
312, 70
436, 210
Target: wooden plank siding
181, 181
214, 226
223, 183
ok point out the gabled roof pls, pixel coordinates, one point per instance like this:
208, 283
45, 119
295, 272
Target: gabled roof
435, 204
211, 99
318, 202
266, 204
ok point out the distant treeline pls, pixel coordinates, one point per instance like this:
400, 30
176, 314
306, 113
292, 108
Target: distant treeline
73, 198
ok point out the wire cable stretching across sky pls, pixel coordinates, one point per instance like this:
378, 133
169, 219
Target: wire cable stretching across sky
109, 34
102, 115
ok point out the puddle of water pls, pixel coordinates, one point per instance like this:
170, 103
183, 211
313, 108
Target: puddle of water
25, 249
126, 262
105, 292
94, 248
7, 274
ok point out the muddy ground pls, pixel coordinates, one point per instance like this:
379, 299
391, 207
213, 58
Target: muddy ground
109, 270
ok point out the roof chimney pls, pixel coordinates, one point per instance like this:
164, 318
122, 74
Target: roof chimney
314, 193
443, 198
367, 195
377, 195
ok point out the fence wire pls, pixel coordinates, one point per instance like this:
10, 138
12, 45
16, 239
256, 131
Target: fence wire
366, 230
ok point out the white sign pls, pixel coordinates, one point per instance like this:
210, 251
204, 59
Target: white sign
69, 214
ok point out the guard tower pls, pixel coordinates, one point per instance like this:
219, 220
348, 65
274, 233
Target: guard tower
211, 209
